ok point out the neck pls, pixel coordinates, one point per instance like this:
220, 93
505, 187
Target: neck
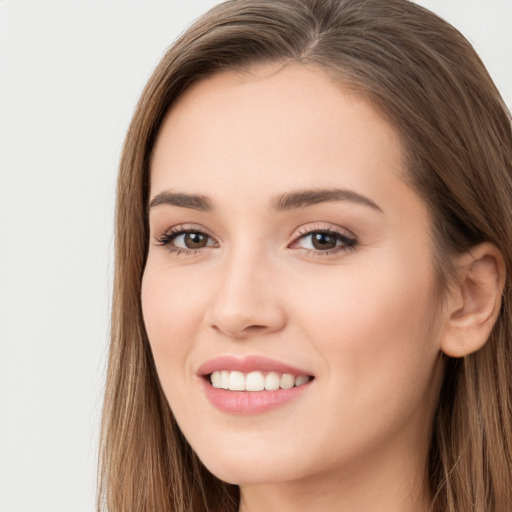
386, 484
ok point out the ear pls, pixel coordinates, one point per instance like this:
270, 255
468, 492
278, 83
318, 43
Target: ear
474, 301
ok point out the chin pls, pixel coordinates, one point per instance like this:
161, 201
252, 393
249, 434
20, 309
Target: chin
245, 473
246, 469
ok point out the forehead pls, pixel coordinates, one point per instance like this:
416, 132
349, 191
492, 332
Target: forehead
267, 117
245, 137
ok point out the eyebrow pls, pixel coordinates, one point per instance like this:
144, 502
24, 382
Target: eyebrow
284, 202
304, 198
194, 202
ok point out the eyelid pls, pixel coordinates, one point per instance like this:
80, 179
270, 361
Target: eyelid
313, 227
349, 240
166, 236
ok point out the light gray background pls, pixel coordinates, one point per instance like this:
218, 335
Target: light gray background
70, 74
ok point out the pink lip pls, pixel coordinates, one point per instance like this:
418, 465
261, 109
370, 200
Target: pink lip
247, 364
248, 402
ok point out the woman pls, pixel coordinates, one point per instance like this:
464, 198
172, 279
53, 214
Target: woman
311, 303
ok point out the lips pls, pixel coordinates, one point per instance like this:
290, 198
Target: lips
251, 384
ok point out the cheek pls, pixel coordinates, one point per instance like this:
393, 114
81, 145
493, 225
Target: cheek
172, 315
171, 299
373, 333
373, 328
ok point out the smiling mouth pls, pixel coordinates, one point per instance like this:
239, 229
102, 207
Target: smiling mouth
256, 380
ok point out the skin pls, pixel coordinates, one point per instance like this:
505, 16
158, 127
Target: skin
362, 319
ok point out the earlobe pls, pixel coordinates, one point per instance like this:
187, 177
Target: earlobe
475, 301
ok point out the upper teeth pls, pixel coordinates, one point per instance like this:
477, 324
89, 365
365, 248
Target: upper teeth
255, 381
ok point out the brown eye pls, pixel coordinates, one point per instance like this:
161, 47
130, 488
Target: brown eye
195, 240
186, 239
323, 241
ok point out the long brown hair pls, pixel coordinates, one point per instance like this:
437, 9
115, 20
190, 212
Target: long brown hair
428, 82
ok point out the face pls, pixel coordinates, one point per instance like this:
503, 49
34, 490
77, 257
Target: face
291, 264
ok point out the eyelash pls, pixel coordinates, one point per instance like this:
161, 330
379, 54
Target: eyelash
347, 243
166, 238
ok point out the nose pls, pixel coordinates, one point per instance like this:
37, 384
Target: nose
246, 301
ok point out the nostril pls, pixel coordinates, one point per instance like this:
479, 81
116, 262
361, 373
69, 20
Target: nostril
255, 327
240, 331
